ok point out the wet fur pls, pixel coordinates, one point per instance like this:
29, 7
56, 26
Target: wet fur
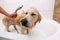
7, 21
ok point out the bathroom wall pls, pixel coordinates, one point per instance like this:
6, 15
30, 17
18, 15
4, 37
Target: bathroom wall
45, 7
56, 15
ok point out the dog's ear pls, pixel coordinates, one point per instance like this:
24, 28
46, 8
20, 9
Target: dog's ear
39, 18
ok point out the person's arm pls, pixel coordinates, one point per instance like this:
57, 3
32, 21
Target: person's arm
2, 11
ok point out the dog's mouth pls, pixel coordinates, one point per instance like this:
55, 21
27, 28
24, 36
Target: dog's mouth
24, 23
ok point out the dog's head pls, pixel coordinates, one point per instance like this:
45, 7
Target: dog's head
31, 18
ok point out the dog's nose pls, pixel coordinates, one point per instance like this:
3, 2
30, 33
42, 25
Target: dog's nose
24, 22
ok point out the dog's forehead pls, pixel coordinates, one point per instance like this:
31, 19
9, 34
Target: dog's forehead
32, 10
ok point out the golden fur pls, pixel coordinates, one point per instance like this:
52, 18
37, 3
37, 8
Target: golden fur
7, 21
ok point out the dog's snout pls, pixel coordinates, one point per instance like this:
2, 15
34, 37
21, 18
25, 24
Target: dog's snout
24, 22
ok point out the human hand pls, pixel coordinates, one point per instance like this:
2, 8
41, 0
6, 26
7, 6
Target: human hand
14, 15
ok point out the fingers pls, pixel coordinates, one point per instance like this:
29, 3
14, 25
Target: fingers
14, 15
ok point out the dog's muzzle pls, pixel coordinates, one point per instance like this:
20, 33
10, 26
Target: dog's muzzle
24, 22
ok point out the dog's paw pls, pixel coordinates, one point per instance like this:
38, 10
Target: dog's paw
26, 32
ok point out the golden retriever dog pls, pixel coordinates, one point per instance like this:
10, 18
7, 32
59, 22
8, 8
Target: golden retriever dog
25, 21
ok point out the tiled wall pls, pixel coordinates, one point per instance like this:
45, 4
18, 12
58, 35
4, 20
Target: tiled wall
56, 15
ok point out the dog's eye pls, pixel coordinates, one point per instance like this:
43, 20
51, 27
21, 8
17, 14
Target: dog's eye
32, 14
26, 13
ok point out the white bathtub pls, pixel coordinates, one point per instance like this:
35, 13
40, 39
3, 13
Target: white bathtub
46, 30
